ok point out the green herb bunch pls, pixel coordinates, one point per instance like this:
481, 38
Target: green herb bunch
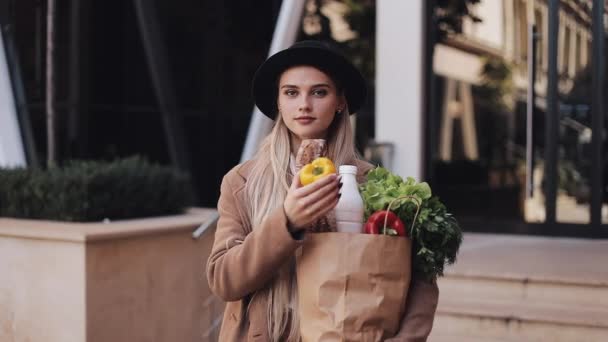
436, 235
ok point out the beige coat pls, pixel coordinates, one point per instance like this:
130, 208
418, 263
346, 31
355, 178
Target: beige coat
243, 260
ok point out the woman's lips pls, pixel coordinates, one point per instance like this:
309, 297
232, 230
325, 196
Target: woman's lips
305, 120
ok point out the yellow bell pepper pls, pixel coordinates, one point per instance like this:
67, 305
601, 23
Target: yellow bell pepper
317, 169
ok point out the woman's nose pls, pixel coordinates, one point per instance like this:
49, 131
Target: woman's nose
304, 105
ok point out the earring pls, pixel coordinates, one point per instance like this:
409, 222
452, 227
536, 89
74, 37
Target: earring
338, 111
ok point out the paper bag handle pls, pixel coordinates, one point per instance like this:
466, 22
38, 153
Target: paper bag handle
416, 201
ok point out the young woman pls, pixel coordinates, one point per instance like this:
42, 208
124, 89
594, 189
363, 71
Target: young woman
309, 91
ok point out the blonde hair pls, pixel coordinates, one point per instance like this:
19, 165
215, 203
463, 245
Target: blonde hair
266, 189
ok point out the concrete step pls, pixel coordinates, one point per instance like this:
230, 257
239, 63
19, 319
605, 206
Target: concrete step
527, 311
581, 293
522, 288
502, 320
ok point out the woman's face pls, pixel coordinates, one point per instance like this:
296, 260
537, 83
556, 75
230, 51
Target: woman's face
308, 101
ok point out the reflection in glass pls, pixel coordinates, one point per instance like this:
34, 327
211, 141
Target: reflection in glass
478, 116
575, 115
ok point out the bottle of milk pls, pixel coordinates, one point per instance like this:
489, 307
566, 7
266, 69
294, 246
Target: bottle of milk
349, 210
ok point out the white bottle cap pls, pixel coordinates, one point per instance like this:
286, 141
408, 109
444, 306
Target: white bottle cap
350, 169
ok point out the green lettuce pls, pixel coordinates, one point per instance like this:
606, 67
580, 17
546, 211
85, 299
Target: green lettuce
436, 235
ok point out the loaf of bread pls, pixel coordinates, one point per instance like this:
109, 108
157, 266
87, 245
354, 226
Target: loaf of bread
311, 149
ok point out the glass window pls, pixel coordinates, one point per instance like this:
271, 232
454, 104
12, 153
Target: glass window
107, 106
478, 125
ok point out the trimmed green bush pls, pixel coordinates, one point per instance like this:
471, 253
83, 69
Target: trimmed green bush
94, 190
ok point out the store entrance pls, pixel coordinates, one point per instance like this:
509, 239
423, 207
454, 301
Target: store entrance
513, 92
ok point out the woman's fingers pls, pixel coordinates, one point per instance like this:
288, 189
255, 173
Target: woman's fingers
323, 206
327, 191
310, 188
324, 200
305, 204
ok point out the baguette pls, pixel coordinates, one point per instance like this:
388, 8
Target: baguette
311, 149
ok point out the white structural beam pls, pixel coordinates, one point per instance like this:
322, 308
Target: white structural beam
285, 33
12, 153
399, 82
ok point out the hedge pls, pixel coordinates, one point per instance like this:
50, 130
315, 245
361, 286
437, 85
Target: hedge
95, 190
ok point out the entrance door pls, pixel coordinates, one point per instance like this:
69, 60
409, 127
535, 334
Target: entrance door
514, 96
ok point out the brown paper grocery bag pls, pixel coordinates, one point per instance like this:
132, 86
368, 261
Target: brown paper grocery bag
352, 287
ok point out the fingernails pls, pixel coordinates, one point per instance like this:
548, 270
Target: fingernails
340, 185
339, 195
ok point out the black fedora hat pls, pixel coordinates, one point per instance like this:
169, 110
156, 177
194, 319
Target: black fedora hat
313, 53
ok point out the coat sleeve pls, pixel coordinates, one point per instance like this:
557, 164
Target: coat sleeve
242, 262
420, 309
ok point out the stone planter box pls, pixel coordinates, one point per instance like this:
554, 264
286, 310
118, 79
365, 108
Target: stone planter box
132, 280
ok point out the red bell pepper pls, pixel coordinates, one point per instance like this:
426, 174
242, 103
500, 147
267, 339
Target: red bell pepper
394, 225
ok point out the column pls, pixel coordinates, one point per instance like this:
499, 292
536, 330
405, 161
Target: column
399, 82
12, 151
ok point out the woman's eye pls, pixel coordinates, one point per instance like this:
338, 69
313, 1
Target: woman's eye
320, 92
290, 92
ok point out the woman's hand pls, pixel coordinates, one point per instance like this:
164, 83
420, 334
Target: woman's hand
305, 204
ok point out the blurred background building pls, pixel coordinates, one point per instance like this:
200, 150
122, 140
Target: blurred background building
481, 118
499, 104
463, 104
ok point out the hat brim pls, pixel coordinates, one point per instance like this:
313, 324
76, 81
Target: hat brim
265, 80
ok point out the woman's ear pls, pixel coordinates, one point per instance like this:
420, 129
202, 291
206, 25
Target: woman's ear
341, 104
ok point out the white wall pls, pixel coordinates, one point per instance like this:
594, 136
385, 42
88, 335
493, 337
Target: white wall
399, 51
11, 144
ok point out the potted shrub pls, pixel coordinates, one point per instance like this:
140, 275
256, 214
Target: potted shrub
103, 251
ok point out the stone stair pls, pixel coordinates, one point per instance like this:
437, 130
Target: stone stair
522, 288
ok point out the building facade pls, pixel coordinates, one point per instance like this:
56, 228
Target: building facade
494, 105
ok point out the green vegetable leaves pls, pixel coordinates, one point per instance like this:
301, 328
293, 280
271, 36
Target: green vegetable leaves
436, 236
382, 187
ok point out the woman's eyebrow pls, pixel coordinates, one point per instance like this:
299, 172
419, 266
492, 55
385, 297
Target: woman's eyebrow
313, 86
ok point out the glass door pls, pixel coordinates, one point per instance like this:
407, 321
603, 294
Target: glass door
511, 101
